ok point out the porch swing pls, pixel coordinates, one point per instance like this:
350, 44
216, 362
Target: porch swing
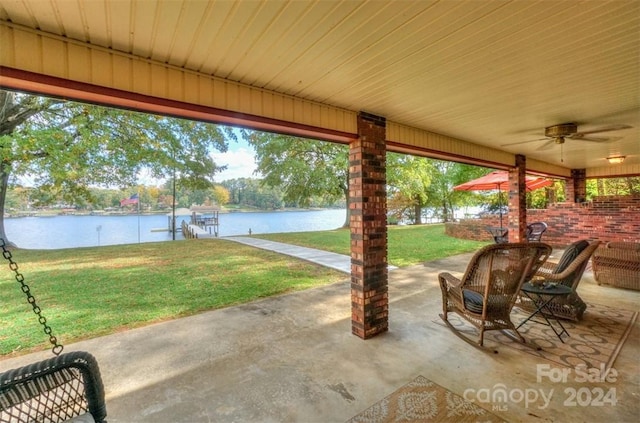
65, 388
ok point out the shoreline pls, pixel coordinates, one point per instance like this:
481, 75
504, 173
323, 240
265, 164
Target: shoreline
19, 215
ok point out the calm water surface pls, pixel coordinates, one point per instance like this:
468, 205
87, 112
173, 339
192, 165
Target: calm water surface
88, 231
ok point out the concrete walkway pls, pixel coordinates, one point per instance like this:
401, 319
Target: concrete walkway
335, 261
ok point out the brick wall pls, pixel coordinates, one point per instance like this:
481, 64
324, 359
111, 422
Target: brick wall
607, 218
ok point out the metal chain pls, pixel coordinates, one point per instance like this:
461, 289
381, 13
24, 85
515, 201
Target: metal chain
57, 348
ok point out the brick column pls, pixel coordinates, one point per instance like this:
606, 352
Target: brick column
518, 200
368, 223
576, 187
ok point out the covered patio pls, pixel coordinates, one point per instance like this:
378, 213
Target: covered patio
474, 82
291, 358
486, 83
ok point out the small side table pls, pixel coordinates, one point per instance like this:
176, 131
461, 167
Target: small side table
535, 293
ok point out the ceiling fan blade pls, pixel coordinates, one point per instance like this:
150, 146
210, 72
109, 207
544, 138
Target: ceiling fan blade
605, 129
594, 139
523, 142
547, 145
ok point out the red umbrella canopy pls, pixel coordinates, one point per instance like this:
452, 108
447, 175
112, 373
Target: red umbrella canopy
499, 180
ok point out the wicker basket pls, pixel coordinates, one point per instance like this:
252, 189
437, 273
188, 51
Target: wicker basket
618, 264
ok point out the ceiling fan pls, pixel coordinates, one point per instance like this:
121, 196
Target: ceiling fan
558, 134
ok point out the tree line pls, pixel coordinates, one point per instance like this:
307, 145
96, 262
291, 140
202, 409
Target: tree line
240, 193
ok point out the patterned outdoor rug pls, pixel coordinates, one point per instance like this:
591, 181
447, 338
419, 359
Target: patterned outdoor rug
594, 341
424, 401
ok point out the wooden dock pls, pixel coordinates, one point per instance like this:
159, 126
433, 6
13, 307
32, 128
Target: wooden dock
190, 231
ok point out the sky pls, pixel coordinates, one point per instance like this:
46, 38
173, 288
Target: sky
239, 159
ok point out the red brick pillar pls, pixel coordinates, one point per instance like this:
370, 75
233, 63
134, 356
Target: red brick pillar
576, 187
368, 204
518, 200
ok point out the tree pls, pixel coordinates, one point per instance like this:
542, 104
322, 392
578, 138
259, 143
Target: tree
613, 186
302, 168
68, 146
408, 181
220, 195
445, 176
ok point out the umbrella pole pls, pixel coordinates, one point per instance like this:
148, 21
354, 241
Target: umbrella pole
500, 206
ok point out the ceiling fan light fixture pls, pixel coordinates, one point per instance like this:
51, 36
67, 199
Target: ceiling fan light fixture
616, 159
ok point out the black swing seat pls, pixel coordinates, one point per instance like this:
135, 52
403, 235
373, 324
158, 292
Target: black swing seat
65, 388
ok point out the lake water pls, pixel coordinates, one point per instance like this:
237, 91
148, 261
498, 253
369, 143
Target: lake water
88, 231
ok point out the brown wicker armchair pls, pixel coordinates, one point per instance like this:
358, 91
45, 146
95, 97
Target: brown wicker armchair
487, 291
568, 271
58, 389
618, 264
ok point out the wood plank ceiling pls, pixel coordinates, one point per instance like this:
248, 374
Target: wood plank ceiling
490, 72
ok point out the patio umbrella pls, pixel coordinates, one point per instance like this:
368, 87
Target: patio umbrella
499, 180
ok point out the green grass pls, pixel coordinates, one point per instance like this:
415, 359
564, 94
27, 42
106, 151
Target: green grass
88, 292
407, 245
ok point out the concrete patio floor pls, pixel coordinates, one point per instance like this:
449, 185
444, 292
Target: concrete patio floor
292, 358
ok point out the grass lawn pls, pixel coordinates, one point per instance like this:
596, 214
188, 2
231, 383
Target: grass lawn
88, 292
407, 245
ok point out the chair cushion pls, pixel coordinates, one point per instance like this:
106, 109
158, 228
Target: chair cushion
570, 255
472, 300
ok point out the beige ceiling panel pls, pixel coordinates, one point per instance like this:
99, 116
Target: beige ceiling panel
192, 88
72, 20
175, 86
265, 52
189, 25
246, 97
143, 27
29, 53
203, 89
223, 54
334, 56
97, 19
123, 67
201, 54
79, 63
219, 93
102, 70
545, 168
159, 81
282, 44
258, 103
8, 46
166, 24
311, 32
231, 96
613, 170
119, 15
20, 13
141, 71
250, 22
454, 148
54, 57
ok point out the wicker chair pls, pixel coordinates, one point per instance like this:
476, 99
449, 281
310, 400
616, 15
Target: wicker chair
618, 264
568, 271
62, 388
487, 291
535, 231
